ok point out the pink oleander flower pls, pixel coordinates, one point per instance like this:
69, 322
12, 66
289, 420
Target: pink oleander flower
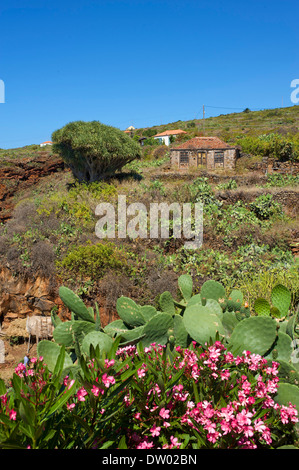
81, 394
97, 391
164, 413
12, 415
141, 373
225, 374
155, 431
174, 442
109, 363
260, 426
243, 418
288, 413
70, 406
108, 380
145, 445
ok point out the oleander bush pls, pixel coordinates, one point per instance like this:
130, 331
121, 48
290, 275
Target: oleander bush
149, 398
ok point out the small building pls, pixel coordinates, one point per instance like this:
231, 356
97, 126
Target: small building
203, 152
129, 130
48, 142
164, 137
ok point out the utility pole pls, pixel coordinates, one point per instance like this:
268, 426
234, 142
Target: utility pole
203, 115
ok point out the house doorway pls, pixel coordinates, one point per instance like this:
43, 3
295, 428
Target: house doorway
201, 159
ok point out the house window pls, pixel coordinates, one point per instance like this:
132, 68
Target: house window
219, 158
184, 157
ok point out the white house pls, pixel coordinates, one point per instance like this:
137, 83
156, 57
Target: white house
47, 142
164, 137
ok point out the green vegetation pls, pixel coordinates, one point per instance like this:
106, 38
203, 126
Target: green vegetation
202, 308
93, 150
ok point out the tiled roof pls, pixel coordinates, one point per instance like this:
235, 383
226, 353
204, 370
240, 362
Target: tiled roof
203, 143
171, 132
47, 142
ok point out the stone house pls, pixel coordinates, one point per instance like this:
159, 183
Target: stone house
205, 153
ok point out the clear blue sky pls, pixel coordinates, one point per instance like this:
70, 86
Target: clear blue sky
140, 62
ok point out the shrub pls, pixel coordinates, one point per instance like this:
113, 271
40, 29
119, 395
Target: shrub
264, 207
93, 260
152, 398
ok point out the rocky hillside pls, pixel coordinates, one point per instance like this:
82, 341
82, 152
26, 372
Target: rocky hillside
20, 170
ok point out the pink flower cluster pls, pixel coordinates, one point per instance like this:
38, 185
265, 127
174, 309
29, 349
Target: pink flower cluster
101, 382
242, 414
4, 408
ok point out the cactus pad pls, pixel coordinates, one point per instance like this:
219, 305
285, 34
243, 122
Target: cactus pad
262, 307
96, 338
50, 352
281, 299
129, 312
156, 329
75, 304
186, 286
166, 303
212, 290
202, 325
254, 334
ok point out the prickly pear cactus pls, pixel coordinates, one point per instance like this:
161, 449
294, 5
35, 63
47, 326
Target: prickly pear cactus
50, 352
254, 334
202, 325
166, 303
287, 393
281, 299
75, 304
96, 339
186, 286
262, 307
129, 312
212, 290
156, 329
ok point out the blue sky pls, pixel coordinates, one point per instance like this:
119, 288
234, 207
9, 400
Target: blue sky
140, 63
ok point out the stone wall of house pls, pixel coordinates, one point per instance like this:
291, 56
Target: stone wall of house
229, 159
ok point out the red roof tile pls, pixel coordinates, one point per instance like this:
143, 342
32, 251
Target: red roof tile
203, 143
171, 132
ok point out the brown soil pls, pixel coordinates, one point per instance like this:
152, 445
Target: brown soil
14, 354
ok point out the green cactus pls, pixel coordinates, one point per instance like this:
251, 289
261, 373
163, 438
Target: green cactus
115, 328
156, 329
282, 347
237, 296
281, 299
75, 304
195, 299
212, 290
229, 322
186, 286
255, 334
50, 352
262, 307
287, 373
182, 338
63, 334
287, 393
201, 324
148, 312
239, 316
129, 312
96, 338
166, 303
